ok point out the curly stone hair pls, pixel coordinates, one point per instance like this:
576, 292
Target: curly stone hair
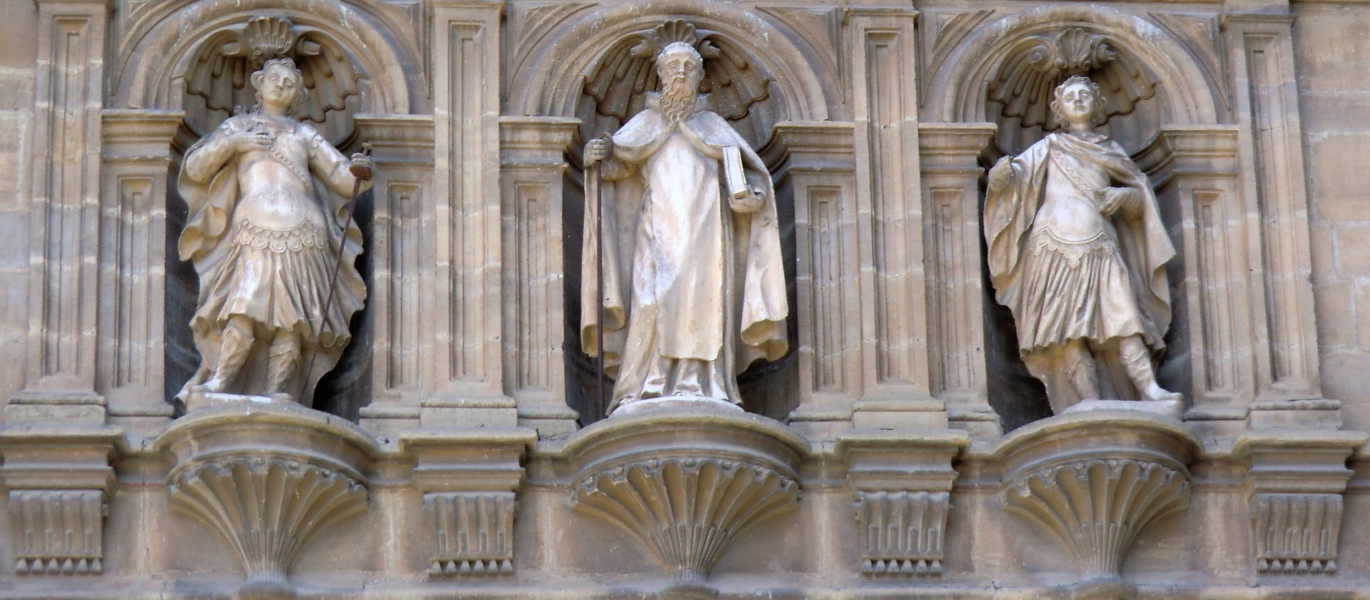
1100, 102
301, 94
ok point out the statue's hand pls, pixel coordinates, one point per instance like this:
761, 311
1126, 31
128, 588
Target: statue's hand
252, 139
1002, 174
362, 166
1114, 199
596, 150
751, 203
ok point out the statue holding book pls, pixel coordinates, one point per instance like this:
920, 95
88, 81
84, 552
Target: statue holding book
694, 286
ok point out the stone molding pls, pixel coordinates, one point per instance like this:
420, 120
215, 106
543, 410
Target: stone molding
475, 533
470, 480
901, 482
1294, 484
685, 482
59, 481
1095, 480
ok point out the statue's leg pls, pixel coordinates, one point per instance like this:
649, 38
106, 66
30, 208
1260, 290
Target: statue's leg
1136, 359
233, 351
1080, 370
283, 360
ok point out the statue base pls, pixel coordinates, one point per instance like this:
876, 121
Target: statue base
198, 400
679, 402
1169, 408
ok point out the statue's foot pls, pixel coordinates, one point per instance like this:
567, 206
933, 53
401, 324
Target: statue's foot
214, 386
1156, 392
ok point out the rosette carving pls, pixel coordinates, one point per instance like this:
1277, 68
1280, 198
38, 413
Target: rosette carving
686, 511
1096, 507
265, 508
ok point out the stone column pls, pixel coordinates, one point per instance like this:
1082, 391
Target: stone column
951, 235
465, 323
1212, 304
1265, 101
532, 171
402, 288
59, 380
137, 176
895, 388
819, 178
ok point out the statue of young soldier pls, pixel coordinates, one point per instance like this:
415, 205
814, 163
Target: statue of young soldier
692, 270
267, 197
1077, 251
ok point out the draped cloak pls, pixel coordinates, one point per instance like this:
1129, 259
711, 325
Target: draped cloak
208, 244
666, 251
1142, 240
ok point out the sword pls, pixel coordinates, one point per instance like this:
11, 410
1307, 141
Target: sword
337, 266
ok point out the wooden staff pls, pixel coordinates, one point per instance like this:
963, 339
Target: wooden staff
337, 266
593, 181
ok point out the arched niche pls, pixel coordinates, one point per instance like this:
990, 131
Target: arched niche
177, 33
598, 67
1004, 71
359, 64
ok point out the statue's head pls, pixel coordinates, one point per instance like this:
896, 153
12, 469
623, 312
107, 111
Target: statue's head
680, 68
1079, 99
680, 60
279, 83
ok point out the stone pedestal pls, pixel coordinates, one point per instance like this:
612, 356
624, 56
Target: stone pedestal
266, 477
685, 482
1093, 480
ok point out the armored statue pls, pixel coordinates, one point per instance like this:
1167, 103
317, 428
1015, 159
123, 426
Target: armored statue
1077, 251
694, 286
267, 196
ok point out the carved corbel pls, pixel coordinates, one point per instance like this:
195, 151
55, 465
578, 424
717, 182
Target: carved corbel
901, 482
1095, 480
470, 480
1296, 504
685, 484
59, 481
267, 478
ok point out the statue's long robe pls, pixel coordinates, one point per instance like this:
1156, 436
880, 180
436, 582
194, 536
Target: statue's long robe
685, 277
1048, 305
206, 242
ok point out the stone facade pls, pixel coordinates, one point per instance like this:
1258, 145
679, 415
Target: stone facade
900, 448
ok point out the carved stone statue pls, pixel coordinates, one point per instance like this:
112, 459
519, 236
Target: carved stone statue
694, 287
1077, 251
267, 196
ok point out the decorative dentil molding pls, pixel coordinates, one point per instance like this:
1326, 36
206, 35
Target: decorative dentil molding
475, 533
265, 507
686, 511
903, 532
58, 532
1296, 533
1095, 507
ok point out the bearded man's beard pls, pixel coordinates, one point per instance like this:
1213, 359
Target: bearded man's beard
677, 99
